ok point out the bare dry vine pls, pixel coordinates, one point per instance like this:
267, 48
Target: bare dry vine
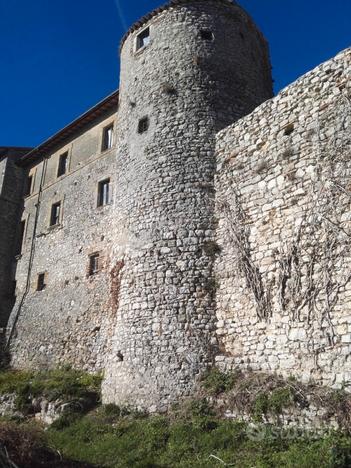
314, 262
239, 238
323, 239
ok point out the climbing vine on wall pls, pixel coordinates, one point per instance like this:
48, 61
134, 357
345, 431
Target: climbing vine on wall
315, 266
313, 262
239, 238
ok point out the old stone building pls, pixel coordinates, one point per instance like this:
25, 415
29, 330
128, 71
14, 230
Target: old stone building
186, 220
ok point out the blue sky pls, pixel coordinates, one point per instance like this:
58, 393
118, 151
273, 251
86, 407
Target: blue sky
60, 57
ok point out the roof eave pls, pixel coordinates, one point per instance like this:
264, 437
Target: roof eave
89, 116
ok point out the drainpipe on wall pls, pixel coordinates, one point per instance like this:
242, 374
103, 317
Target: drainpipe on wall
31, 256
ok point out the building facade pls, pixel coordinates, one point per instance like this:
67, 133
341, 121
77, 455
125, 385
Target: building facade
156, 235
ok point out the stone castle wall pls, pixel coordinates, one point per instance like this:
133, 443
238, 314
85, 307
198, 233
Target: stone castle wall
11, 190
244, 264
70, 320
189, 87
283, 203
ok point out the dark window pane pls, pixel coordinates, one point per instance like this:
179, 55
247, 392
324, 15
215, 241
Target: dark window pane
143, 39
55, 214
104, 193
62, 167
107, 138
28, 186
143, 125
41, 282
93, 264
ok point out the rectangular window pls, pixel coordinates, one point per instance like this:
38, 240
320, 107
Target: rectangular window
28, 186
63, 164
55, 214
94, 264
143, 39
107, 138
104, 192
41, 282
20, 239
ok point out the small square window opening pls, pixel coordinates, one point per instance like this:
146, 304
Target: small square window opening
143, 125
104, 192
206, 35
63, 164
55, 214
28, 186
41, 282
94, 264
289, 129
143, 39
107, 138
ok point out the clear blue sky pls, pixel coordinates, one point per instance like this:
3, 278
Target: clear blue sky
60, 57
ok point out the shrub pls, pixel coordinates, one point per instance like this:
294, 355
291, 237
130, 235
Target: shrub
260, 407
216, 382
272, 403
279, 399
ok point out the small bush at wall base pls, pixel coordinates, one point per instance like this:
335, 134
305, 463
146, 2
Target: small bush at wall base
279, 399
272, 403
260, 407
216, 382
260, 396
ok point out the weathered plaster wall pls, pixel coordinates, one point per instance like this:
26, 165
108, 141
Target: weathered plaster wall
69, 321
283, 202
189, 88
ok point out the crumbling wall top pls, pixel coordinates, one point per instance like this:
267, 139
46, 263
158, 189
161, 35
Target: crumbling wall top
171, 4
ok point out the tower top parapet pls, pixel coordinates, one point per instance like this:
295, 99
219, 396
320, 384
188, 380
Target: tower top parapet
171, 4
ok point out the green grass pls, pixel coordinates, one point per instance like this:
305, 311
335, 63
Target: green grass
192, 441
139, 441
65, 384
192, 434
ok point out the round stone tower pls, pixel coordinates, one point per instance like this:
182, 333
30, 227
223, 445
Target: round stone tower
188, 70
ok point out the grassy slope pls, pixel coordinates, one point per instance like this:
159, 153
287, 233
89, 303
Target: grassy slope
156, 441
191, 435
